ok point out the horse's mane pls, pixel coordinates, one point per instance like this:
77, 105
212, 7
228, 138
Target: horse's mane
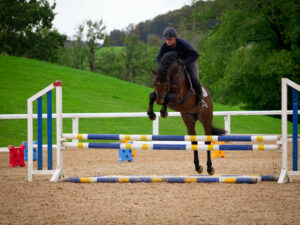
166, 61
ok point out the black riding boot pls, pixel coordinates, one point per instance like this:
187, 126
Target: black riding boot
199, 96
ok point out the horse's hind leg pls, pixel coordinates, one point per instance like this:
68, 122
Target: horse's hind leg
207, 129
210, 169
190, 123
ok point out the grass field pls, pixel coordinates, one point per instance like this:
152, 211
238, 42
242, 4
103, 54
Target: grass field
86, 92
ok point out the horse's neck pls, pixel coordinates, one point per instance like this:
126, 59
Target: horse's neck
178, 79
174, 73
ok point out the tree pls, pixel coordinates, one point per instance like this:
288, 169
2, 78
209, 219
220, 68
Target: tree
95, 34
80, 52
153, 40
132, 54
117, 36
254, 45
25, 29
111, 62
139, 59
43, 45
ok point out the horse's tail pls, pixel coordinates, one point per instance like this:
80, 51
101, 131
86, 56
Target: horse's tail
217, 131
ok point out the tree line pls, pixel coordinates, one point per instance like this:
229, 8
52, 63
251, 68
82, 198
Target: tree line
131, 62
245, 47
253, 45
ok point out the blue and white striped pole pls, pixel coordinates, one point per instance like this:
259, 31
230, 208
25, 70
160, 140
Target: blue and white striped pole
130, 137
138, 146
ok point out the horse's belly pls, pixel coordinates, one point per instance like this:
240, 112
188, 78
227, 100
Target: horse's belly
184, 108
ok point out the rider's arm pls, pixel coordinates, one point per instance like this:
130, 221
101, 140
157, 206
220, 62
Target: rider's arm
186, 51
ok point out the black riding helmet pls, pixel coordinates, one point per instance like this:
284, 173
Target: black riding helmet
169, 33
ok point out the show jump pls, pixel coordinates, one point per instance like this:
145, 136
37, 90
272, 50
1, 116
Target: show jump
63, 144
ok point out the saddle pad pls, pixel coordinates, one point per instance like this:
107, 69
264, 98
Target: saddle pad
204, 92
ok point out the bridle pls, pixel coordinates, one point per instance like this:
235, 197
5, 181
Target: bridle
167, 89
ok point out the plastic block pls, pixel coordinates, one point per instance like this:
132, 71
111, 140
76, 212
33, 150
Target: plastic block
16, 155
125, 155
26, 151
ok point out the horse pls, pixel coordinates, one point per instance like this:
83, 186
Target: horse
173, 89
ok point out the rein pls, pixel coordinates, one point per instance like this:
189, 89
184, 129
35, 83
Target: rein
191, 90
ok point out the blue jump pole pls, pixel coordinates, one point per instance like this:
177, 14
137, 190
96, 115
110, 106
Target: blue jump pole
295, 130
40, 133
49, 128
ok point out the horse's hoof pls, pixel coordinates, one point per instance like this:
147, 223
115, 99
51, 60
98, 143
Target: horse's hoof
152, 116
211, 171
164, 115
200, 169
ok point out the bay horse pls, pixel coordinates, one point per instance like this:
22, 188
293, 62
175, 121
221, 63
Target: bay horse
172, 88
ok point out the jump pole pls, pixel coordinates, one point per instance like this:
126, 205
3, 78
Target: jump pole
172, 179
139, 146
138, 137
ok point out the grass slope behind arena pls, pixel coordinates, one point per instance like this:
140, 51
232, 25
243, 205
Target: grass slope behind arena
86, 92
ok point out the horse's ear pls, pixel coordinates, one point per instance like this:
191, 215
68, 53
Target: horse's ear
154, 72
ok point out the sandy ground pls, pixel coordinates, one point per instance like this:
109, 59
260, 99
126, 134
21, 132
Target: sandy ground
42, 202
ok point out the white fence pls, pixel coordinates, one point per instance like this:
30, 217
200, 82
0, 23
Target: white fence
76, 116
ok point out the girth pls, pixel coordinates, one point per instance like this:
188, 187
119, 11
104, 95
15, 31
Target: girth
186, 97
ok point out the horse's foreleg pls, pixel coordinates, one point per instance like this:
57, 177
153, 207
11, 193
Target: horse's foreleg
190, 123
150, 113
163, 111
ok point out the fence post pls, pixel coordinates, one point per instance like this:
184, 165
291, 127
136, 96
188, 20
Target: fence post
227, 123
75, 127
156, 126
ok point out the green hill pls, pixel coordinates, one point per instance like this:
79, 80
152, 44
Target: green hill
86, 92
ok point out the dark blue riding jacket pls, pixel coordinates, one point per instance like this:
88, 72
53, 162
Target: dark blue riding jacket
185, 50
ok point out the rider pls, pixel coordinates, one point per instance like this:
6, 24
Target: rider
188, 57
